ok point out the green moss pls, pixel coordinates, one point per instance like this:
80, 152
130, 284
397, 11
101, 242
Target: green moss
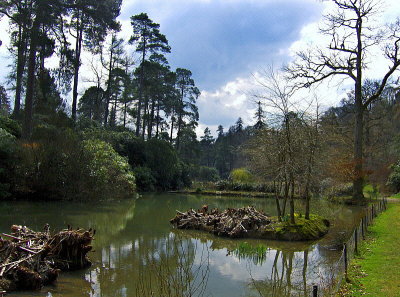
303, 229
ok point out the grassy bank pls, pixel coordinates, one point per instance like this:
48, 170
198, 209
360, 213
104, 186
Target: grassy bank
226, 193
376, 271
395, 196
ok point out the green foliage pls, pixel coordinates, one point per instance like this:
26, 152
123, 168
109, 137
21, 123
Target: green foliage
145, 180
204, 174
107, 169
226, 185
58, 165
371, 191
8, 148
4, 102
394, 177
11, 126
339, 190
241, 175
92, 105
167, 172
258, 253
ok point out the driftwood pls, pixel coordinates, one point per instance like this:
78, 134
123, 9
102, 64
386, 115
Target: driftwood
233, 223
30, 260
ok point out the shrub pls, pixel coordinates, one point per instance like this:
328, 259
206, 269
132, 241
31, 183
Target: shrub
8, 149
241, 175
223, 185
339, 190
204, 174
11, 126
145, 181
58, 165
108, 172
394, 177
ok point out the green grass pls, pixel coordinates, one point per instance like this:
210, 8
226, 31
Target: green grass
370, 192
396, 196
376, 271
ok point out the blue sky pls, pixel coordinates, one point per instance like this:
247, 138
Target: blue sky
222, 40
225, 43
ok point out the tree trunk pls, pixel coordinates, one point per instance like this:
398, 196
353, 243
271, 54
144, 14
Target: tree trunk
108, 90
151, 120
125, 109
21, 61
358, 182
292, 220
30, 86
77, 62
278, 207
145, 116
181, 111
172, 129
139, 108
158, 119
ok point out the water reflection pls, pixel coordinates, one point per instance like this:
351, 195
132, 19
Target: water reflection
137, 253
169, 267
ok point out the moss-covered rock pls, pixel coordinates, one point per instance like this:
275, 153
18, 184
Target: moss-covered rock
312, 229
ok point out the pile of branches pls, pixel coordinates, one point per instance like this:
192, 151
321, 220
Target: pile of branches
232, 222
30, 260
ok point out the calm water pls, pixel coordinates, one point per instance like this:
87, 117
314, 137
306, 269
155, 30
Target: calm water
137, 253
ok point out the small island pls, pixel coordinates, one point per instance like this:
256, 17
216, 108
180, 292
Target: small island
248, 222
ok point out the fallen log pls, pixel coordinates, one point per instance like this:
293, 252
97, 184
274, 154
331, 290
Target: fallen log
30, 260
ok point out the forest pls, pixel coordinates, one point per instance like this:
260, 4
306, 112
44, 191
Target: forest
134, 125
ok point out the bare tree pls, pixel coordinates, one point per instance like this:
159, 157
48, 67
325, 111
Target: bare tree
285, 152
353, 36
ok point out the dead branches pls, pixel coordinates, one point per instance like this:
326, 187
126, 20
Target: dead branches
30, 260
233, 223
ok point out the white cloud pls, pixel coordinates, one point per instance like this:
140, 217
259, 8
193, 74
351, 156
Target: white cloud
225, 105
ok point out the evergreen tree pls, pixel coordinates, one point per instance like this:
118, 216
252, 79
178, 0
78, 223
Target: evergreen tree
89, 23
207, 146
4, 101
260, 117
92, 104
188, 94
149, 40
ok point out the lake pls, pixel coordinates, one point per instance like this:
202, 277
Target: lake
136, 252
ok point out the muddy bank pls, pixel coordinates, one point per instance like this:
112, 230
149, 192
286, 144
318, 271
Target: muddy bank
247, 222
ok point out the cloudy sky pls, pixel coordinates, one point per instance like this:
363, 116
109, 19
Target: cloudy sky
225, 43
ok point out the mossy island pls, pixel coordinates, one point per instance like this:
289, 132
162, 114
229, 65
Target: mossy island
248, 222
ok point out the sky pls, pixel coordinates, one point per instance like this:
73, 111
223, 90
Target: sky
226, 43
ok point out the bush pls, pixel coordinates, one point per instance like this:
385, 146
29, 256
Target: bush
108, 172
11, 126
58, 165
339, 190
8, 150
226, 185
145, 181
241, 175
205, 174
394, 178
157, 155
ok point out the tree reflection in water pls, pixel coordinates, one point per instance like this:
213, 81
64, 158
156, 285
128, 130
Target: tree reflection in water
170, 267
292, 273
